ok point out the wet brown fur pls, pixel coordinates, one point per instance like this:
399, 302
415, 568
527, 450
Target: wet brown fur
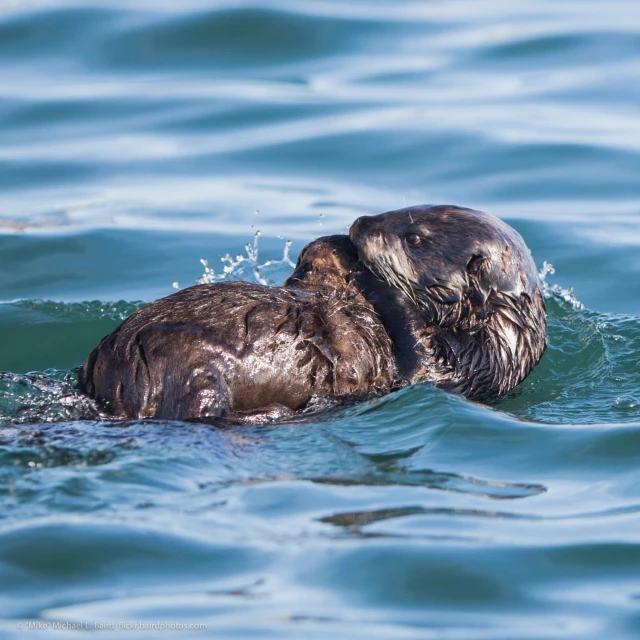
244, 351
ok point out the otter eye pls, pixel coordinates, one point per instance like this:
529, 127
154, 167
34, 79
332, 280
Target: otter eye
414, 239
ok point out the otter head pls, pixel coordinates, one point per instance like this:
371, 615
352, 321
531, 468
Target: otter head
325, 262
451, 261
473, 280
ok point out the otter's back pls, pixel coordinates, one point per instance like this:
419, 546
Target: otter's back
218, 349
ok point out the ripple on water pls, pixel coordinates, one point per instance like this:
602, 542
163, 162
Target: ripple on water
91, 558
135, 133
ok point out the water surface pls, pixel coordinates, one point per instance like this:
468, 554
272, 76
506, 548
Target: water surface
138, 137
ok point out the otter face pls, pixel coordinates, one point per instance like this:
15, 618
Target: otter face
449, 260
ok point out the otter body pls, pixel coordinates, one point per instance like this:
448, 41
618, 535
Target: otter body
437, 294
243, 351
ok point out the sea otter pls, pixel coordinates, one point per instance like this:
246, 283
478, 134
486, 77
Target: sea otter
439, 294
246, 352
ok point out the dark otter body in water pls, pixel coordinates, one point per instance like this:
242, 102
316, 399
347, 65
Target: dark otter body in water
438, 294
244, 351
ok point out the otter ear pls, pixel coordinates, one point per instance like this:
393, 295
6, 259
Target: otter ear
477, 272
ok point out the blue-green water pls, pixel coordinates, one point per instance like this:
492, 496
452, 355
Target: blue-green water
138, 137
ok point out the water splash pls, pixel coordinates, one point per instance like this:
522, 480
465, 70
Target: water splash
247, 267
555, 290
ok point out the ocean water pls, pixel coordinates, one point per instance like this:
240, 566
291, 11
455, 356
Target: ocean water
139, 137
